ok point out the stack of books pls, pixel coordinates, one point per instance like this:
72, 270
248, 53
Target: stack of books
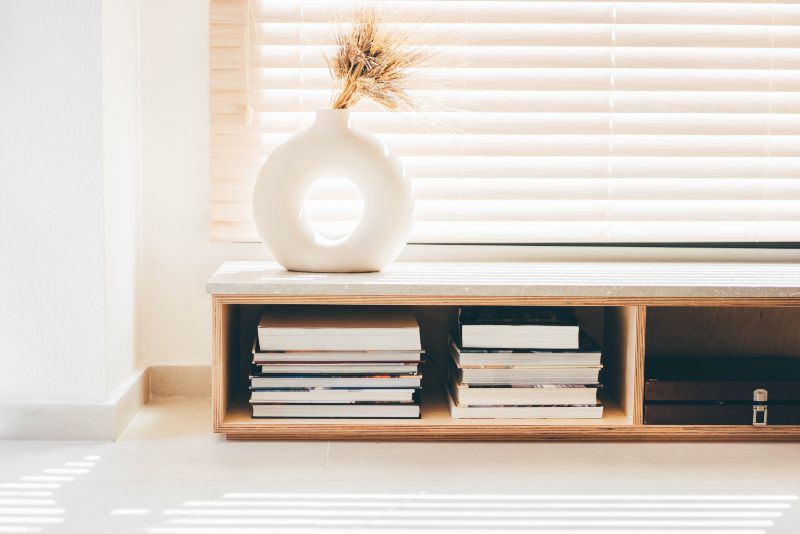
523, 363
317, 361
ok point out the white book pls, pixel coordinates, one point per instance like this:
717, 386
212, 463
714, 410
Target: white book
273, 382
516, 375
382, 411
331, 396
519, 336
524, 412
334, 356
542, 395
518, 328
530, 375
340, 368
336, 328
589, 354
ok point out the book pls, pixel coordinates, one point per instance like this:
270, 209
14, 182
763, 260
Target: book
722, 368
509, 327
527, 375
339, 368
593, 411
537, 395
530, 375
718, 414
382, 411
718, 390
721, 379
337, 357
329, 381
354, 328
331, 396
589, 353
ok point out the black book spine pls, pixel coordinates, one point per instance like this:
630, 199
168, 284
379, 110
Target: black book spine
701, 390
718, 414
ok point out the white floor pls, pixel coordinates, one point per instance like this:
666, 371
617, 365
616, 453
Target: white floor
169, 474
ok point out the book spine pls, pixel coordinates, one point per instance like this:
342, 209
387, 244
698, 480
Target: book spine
717, 414
669, 390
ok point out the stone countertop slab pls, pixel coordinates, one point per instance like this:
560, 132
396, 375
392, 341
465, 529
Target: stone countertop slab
519, 279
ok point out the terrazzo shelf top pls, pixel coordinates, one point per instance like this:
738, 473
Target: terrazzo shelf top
520, 279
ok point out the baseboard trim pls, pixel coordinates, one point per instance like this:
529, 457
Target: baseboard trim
130, 399
103, 421
180, 381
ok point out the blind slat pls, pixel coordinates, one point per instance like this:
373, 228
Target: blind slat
721, 12
562, 101
560, 209
529, 123
552, 34
533, 79
284, 56
555, 167
232, 191
454, 145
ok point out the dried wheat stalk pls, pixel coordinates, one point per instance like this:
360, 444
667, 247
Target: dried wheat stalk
371, 61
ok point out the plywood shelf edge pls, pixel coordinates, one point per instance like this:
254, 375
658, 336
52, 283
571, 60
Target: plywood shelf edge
621, 424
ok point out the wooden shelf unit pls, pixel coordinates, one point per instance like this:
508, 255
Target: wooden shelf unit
621, 322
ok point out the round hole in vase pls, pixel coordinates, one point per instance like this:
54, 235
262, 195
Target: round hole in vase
333, 207
332, 147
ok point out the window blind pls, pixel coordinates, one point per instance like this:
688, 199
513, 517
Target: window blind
561, 122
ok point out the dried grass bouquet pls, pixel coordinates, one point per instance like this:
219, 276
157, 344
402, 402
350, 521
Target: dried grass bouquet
371, 61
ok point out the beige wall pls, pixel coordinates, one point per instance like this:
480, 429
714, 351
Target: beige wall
177, 255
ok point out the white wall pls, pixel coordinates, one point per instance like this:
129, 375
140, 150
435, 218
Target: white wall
177, 255
68, 203
121, 184
51, 203
77, 132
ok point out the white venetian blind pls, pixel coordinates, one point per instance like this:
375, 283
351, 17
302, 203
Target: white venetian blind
576, 122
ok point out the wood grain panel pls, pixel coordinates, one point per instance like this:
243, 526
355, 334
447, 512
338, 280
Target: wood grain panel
564, 433
622, 420
220, 387
638, 380
622, 373
715, 331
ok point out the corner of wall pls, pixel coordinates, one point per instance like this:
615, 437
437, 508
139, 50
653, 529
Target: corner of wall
121, 156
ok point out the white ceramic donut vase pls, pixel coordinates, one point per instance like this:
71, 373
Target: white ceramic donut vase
332, 148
